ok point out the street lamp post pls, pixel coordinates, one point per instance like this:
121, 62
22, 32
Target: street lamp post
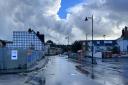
104, 37
86, 45
86, 19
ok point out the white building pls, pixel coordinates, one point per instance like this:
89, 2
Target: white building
123, 44
123, 40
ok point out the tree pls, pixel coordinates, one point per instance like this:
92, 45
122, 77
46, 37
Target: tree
50, 42
115, 50
76, 46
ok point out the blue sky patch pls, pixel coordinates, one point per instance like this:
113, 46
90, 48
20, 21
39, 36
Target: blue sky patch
65, 4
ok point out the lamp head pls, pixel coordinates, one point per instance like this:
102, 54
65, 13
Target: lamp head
86, 19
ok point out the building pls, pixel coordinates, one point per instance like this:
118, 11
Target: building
100, 45
52, 48
27, 40
3, 43
27, 47
103, 45
123, 40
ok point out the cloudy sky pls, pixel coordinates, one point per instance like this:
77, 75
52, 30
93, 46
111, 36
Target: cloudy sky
60, 18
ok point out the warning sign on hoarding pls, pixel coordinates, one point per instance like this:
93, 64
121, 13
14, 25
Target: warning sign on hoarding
14, 55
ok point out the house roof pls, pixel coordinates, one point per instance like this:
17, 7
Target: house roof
123, 38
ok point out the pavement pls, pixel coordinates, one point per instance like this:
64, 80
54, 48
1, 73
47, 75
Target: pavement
33, 76
38, 65
110, 72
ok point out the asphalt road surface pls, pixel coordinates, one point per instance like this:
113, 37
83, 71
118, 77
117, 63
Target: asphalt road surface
61, 71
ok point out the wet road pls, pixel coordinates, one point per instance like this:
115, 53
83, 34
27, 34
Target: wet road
110, 72
61, 71
114, 72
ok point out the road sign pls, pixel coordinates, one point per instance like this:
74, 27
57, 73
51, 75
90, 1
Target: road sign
14, 54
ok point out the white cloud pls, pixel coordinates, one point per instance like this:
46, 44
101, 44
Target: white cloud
38, 14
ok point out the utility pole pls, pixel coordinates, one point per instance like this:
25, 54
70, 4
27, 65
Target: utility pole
67, 37
86, 36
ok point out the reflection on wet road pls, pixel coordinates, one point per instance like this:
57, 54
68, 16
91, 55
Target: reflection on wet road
60, 71
112, 72
109, 72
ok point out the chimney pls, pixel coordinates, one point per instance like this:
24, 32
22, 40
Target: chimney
122, 33
125, 32
29, 30
126, 28
38, 33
